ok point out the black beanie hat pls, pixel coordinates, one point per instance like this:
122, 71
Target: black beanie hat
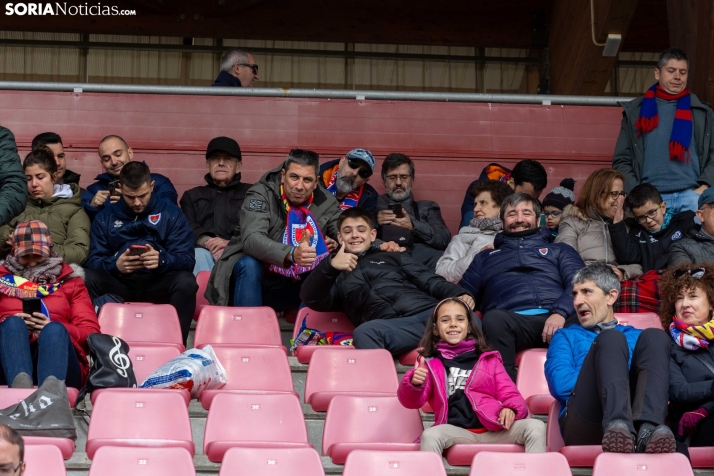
561, 196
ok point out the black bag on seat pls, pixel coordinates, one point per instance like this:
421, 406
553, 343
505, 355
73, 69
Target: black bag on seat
110, 365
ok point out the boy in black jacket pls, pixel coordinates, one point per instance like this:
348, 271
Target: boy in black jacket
389, 296
646, 238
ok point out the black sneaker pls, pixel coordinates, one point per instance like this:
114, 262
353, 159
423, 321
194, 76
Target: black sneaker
617, 438
655, 439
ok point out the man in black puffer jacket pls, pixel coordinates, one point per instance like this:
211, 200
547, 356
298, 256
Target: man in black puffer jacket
389, 296
523, 286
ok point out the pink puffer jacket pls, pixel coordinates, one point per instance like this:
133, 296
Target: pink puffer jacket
489, 388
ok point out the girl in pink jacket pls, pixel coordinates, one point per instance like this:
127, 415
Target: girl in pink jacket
474, 399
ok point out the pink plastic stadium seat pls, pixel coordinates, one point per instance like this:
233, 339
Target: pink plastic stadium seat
702, 456
640, 320
531, 381
254, 421
145, 359
577, 456
349, 372
641, 464
141, 461
44, 460
532, 464
271, 462
251, 370
463, 454
393, 463
11, 396
201, 301
369, 423
237, 326
323, 322
409, 358
142, 322
153, 418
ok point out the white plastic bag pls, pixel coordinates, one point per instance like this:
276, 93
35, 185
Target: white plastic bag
195, 370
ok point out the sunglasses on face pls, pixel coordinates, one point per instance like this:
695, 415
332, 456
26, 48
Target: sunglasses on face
616, 193
356, 164
252, 66
304, 152
650, 215
696, 273
554, 214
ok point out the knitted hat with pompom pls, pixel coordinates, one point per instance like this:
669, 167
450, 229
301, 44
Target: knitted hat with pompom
562, 195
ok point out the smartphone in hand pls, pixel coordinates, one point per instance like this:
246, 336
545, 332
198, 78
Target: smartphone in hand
113, 187
137, 250
31, 305
398, 212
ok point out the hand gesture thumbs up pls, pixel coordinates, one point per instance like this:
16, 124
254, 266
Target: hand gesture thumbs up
344, 261
304, 254
420, 373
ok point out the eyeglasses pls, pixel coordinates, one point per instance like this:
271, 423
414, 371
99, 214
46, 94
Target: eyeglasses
650, 215
554, 214
252, 66
615, 193
393, 178
9, 470
304, 152
356, 164
696, 273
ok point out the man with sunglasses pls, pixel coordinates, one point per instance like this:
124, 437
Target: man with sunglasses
12, 452
647, 237
347, 179
238, 69
698, 246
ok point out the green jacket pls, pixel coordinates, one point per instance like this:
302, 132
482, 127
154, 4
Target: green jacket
13, 184
629, 156
260, 230
68, 223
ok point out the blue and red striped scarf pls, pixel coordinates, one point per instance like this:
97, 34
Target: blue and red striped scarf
351, 200
682, 127
300, 221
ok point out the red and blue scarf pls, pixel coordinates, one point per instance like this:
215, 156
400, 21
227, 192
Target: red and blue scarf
682, 127
299, 222
351, 200
691, 337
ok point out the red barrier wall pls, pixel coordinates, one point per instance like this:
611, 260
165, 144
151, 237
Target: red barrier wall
449, 142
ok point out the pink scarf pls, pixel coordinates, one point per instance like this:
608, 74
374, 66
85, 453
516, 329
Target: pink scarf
449, 351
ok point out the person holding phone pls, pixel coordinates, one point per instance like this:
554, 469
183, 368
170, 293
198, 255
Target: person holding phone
46, 314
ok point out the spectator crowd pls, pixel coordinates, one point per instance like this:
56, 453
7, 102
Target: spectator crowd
520, 273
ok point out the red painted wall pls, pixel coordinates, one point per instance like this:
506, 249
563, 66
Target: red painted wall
449, 142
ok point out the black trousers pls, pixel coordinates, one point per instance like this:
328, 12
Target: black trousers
606, 390
397, 335
508, 333
177, 288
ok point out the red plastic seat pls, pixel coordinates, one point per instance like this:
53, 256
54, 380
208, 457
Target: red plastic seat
349, 372
369, 423
268, 420
237, 326
201, 301
640, 320
251, 370
577, 456
393, 463
142, 322
668, 464
323, 322
145, 359
531, 381
141, 461
532, 464
11, 396
44, 460
271, 462
702, 456
409, 358
153, 418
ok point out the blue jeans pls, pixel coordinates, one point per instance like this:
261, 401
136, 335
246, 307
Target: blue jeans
681, 201
204, 260
51, 354
253, 285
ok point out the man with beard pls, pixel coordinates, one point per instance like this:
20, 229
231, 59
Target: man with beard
417, 225
523, 286
347, 179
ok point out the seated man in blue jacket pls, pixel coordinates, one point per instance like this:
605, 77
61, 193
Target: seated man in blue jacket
142, 248
114, 154
522, 287
601, 401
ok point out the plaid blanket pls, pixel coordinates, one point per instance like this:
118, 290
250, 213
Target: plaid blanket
641, 294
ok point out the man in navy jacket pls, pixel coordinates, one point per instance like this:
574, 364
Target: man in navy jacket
522, 287
115, 154
142, 248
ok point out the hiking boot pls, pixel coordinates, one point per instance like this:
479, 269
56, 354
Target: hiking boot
618, 438
655, 439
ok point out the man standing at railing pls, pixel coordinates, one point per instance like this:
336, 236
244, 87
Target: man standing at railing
666, 137
238, 69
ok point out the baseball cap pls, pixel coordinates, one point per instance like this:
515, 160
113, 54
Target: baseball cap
363, 155
31, 237
706, 197
225, 144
